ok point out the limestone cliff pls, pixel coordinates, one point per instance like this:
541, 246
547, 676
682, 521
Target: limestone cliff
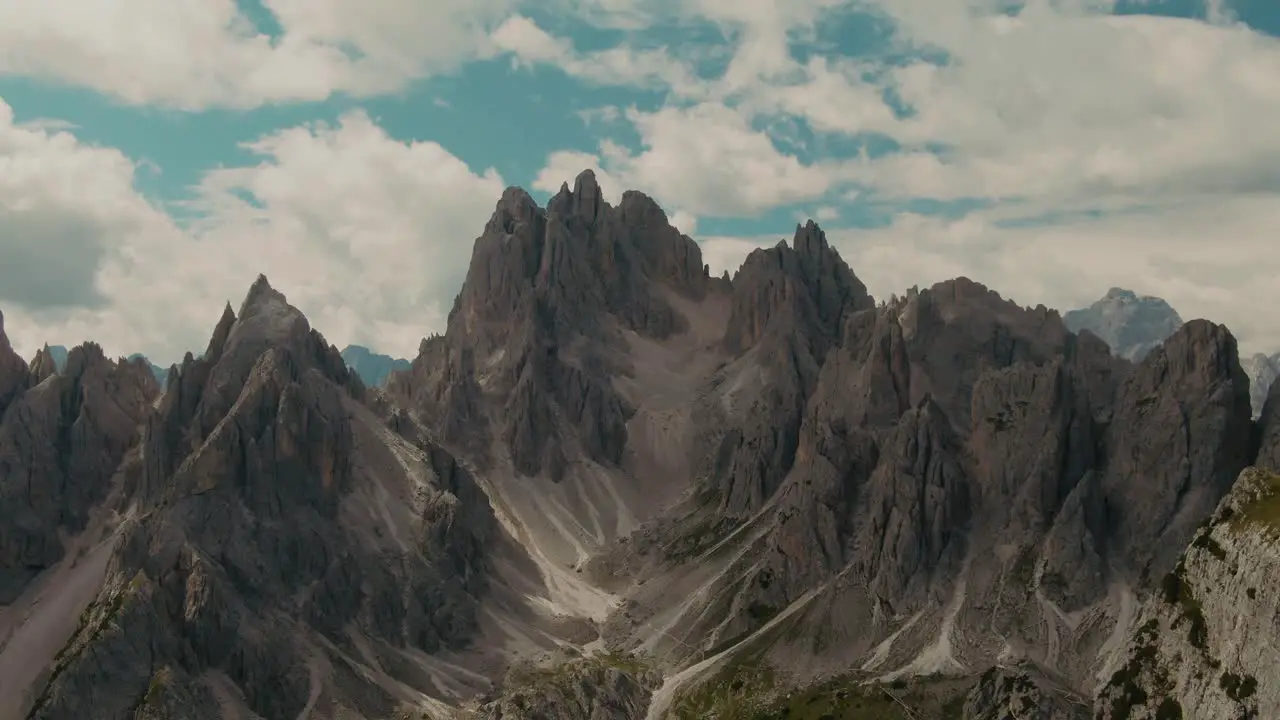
1204, 645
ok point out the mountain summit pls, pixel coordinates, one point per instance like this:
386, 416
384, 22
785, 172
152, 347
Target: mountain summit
1130, 324
620, 488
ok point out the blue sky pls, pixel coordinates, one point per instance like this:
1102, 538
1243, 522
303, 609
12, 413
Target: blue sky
158, 156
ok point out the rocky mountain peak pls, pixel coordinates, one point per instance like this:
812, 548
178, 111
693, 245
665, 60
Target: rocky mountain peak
13, 371
803, 287
71, 432
43, 365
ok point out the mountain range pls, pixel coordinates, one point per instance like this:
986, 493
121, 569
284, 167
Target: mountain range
1134, 325
618, 487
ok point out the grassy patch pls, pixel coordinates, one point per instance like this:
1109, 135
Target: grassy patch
754, 692
1263, 510
563, 675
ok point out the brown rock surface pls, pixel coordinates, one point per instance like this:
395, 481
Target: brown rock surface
61, 443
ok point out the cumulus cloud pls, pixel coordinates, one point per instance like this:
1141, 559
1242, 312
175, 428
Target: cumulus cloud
705, 160
200, 53
64, 208
367, 235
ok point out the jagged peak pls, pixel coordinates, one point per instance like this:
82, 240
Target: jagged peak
809, 239
5, 346
267, 312
82, 357
260, 293
1200, 335
1123, 297
220, 334
43, 365
584, 201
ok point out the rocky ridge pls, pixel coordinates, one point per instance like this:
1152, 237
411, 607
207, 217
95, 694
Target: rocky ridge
618, 487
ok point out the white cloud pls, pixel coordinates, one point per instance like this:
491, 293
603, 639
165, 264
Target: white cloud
369, 236
530, 45
705, 159
563, 166
201, 53
64, 209
1070, 105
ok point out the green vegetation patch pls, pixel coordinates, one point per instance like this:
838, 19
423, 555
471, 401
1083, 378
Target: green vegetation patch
1263, 510
756, 692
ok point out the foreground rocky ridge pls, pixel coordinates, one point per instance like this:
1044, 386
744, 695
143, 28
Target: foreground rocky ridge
618, 487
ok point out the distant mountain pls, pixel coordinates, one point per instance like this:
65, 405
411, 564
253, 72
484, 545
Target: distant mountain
159, 372
1262, 371
59, 355
1131, 324
1134, 324
372, 368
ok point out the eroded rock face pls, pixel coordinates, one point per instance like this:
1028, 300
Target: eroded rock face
590, 689
1021, 694
14, 377
525, 360
1179, 439
61, 443
280, 522
1203, 646
959, 467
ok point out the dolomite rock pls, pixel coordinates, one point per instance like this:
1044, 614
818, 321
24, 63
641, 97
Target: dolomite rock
1204, 645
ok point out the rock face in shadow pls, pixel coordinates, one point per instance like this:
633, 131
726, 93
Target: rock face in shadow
278, 520
62, 441
525, 359
14, 377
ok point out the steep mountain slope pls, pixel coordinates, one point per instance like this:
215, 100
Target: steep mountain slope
372, 368
620, 488
1130, 324
281, 546
1205, 645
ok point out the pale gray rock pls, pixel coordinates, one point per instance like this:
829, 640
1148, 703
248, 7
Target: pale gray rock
1203, 646
1130, 324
